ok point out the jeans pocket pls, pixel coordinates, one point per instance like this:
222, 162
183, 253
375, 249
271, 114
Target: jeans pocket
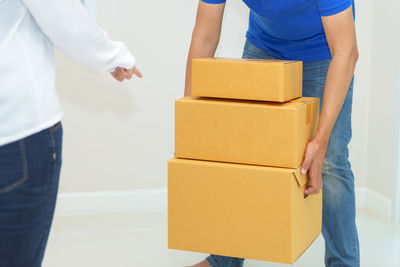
55, 127
13, 166
56, 133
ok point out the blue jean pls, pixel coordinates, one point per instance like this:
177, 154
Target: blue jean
338, 219
29, 176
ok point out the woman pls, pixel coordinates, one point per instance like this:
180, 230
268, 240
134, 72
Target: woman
30, 113
321, 33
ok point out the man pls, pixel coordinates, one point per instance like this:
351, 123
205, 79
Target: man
30, 114
321, 33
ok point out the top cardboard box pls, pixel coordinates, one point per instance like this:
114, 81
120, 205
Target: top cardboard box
248, 79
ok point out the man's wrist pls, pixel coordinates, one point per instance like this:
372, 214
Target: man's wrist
321, 140
187, 91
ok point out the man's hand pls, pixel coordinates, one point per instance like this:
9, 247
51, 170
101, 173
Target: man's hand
120, 74
313, 164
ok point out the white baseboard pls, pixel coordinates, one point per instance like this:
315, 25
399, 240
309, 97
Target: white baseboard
374, 203
111, 202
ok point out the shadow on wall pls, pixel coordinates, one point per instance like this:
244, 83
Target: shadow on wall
94, 93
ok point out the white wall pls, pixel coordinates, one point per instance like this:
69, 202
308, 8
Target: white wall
382, 159
358, 146
119, 136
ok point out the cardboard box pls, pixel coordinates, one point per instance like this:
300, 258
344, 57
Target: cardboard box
237, 210
248, 132
249, 79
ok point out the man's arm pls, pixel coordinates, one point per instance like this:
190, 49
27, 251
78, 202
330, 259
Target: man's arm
69, 28
205, 36
341, 35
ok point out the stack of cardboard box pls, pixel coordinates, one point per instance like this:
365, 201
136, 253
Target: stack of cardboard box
235, 187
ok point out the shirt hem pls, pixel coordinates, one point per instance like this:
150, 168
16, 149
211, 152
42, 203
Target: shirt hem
27, 133
335, 10
216, 2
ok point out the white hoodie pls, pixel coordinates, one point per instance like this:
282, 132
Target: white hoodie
28, 31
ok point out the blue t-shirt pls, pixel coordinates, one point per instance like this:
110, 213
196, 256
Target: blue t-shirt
291, 29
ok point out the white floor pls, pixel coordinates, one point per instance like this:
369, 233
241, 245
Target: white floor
140, 240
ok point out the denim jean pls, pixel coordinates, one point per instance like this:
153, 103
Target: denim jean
338, 219
29, 176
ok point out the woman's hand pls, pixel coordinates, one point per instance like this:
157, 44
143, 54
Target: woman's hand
313, 164
120, 74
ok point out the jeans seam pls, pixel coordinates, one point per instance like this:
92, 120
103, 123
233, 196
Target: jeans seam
24, 169
49, 215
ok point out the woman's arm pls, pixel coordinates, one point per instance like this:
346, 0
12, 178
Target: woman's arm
69, 28
205, 36
341, 35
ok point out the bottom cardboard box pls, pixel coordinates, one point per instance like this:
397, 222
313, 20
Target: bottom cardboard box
245, 211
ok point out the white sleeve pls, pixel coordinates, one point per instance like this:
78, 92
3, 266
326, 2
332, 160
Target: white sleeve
70, 29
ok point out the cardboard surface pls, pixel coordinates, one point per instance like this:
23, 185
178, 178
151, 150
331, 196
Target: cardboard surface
247, 132
250, 79
237, 210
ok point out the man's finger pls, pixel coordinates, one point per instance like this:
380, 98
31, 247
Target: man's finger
308, 190
306, 165
314, 187
311, 190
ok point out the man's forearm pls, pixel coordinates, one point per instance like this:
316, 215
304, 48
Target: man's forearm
199, 48
338, 79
